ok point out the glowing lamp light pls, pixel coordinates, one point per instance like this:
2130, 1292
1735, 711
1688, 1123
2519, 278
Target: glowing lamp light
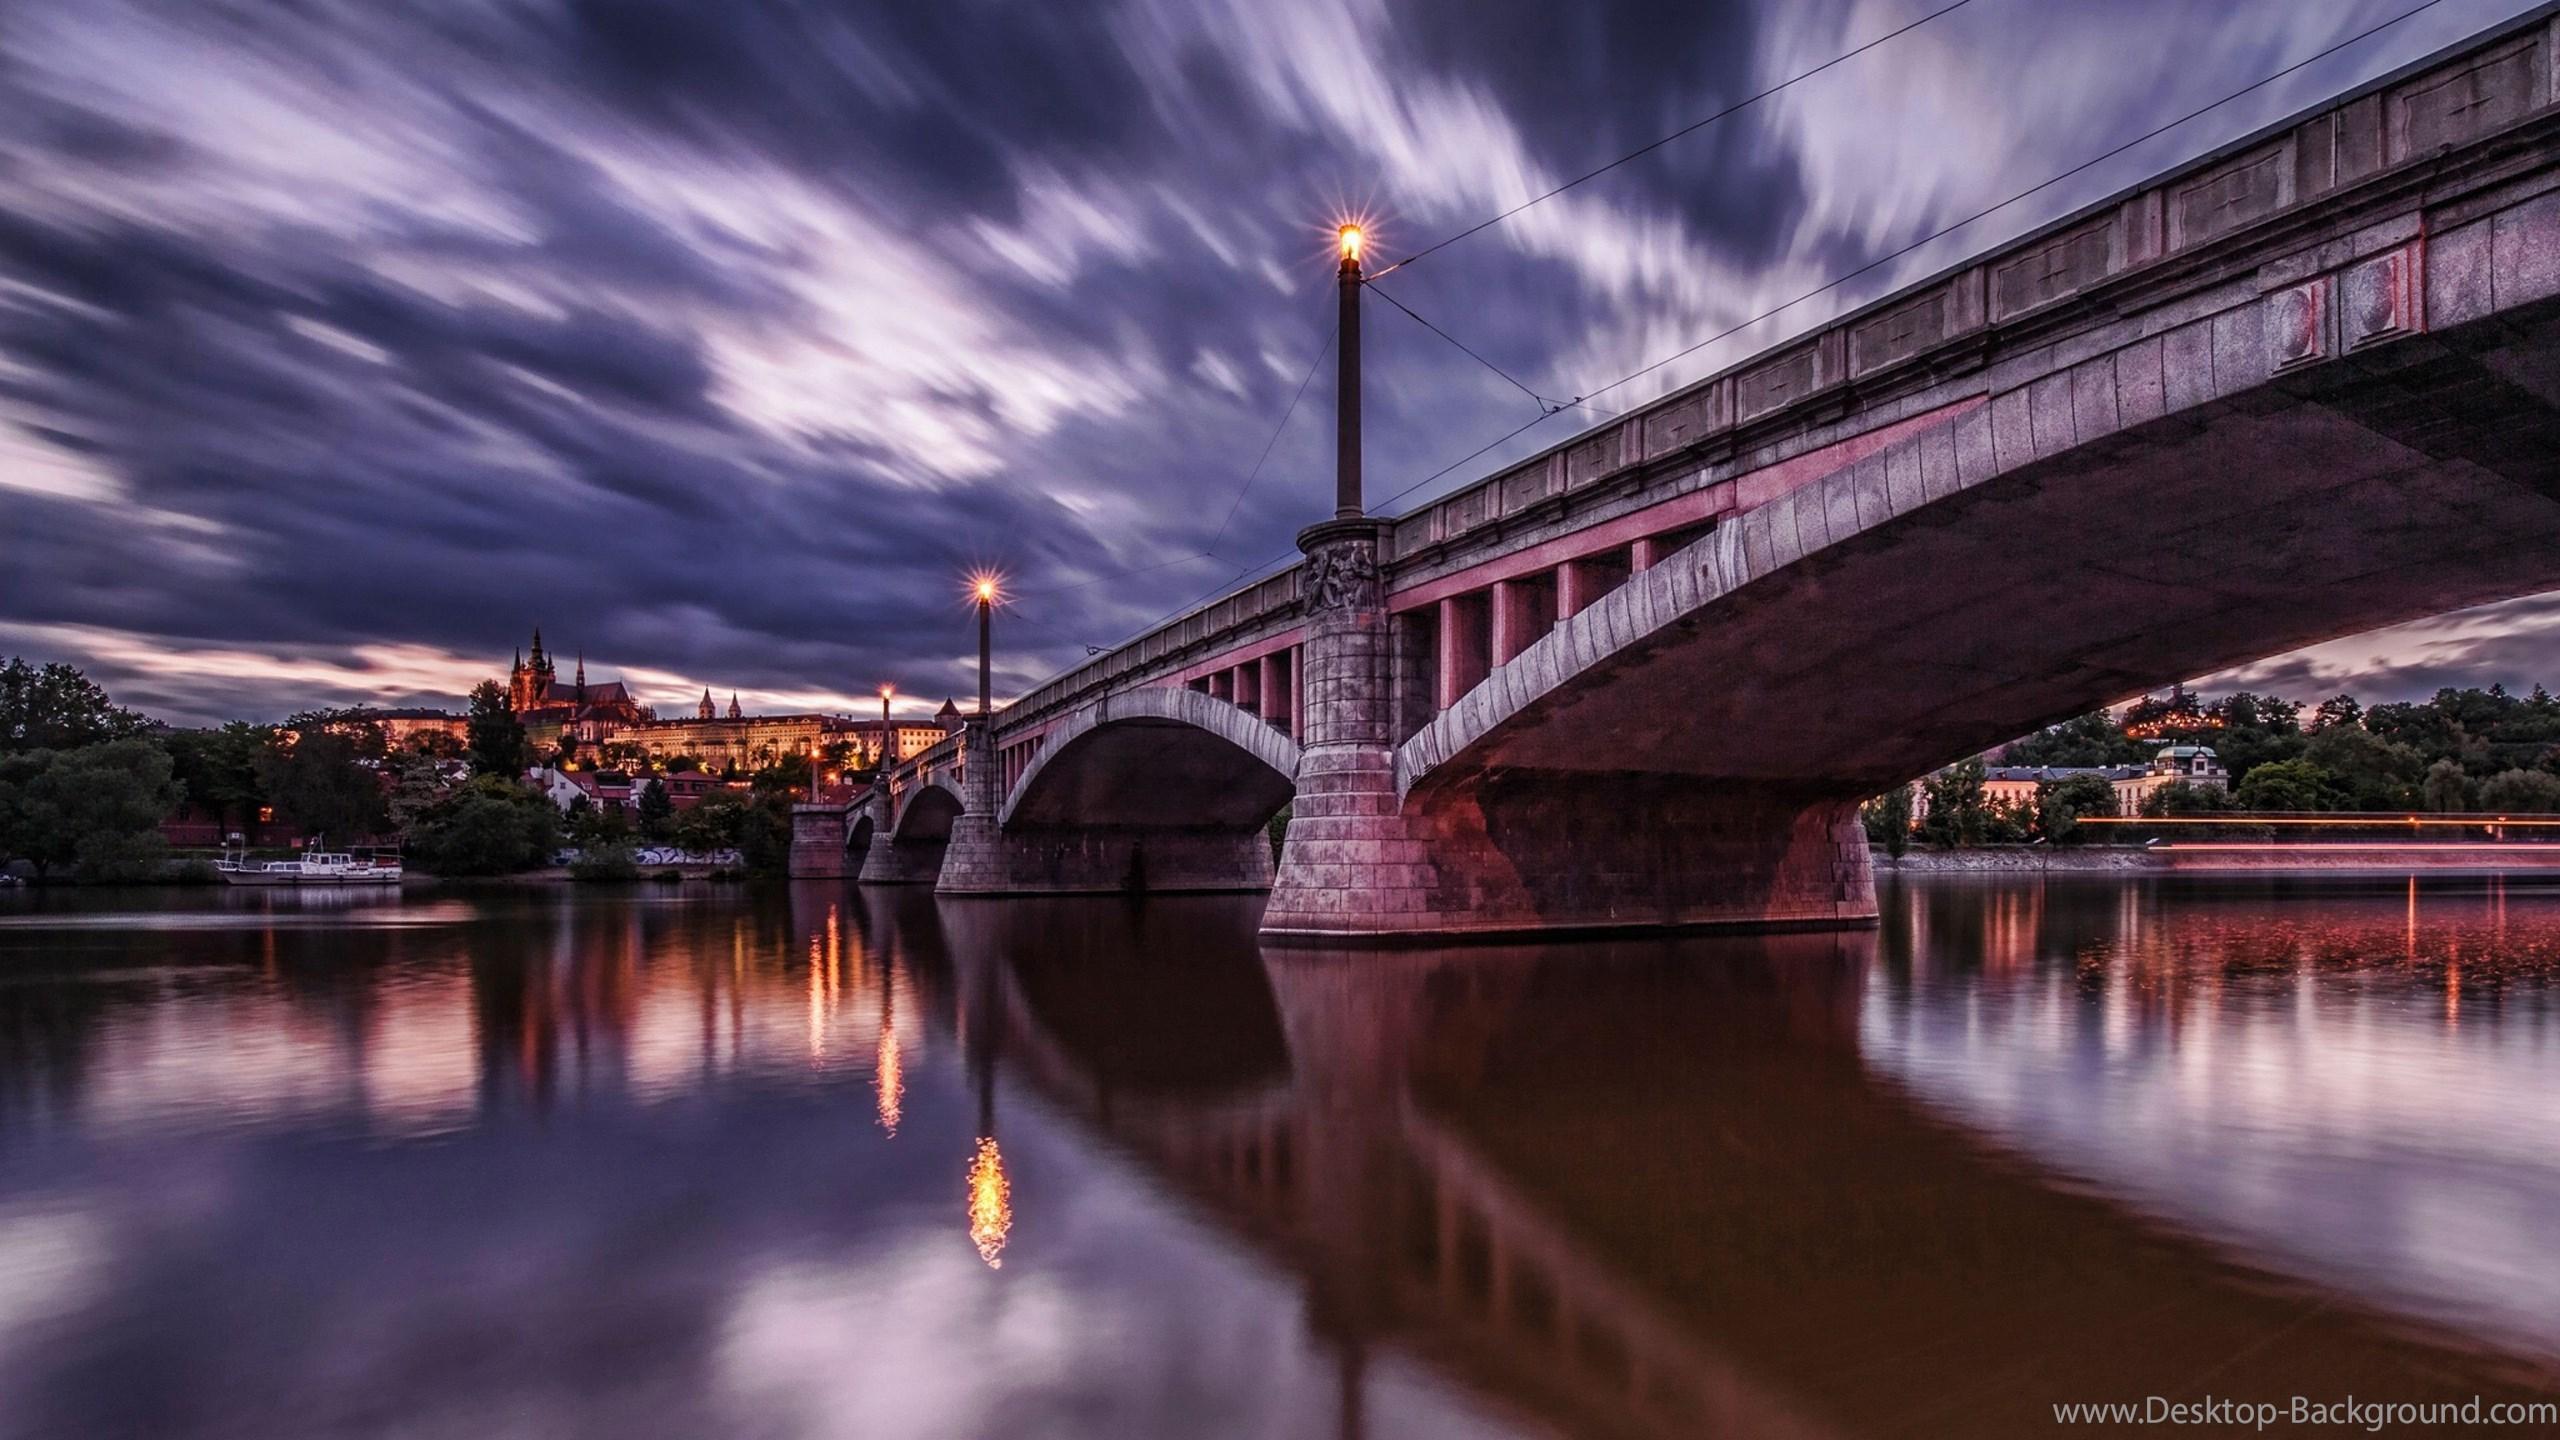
1351, 239
990, 1203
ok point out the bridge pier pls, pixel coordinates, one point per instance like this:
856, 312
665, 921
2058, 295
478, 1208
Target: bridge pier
1351, 864
818, 842
1511, 850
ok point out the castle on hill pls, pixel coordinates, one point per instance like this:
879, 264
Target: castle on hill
606, 714
548, 709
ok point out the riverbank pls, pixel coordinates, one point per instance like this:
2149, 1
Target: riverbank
2227, 856
2013, 859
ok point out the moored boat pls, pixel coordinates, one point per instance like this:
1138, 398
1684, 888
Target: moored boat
315, 867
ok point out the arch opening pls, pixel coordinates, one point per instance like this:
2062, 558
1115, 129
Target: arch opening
1150, 773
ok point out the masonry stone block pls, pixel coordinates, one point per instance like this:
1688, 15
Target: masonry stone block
2013, 437
2186, 361
2049, 414
2141, 395
1977, 453
2460, 275
2242, 358
2525, 251
1904, 489
2093, 398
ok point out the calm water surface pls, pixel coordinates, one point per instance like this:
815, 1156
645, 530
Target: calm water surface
820, 1162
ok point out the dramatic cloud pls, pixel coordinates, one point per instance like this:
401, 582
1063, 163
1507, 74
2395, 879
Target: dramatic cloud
341, 343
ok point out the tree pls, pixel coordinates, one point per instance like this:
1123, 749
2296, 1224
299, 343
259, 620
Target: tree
57, 708
418, 784
361, 728
98, 807
2091, 739
318, 777
2177, 716
2009, 822
495, 742
2446, 788
590, 825
2060, 804
611, 861
2180, 798
1956, 814
2287, 785
764, 834
489, 826
219, 769
2367, 771
657, 811
2334, 711
2521, 792
1888, 820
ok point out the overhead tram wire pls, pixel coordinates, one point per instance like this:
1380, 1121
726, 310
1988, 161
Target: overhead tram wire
1235, 505
1689, 129
1544, 404
1934, 236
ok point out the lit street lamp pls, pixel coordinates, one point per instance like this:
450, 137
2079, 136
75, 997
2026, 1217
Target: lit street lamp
982, 589
1346, 405
880, 759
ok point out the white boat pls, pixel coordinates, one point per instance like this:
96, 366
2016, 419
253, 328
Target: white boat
316, 867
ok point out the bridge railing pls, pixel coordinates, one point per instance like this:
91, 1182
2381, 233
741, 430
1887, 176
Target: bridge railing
1200, 631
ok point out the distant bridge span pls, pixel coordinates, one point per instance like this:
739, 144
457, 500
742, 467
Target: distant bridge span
2306, 386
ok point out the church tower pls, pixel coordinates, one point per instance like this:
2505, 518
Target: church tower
705, 711
582, 679
734, 712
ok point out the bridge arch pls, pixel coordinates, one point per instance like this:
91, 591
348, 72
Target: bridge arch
925, 813
1157, 758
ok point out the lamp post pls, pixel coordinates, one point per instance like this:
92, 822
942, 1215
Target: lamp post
983, 589
880, 761
1346, 404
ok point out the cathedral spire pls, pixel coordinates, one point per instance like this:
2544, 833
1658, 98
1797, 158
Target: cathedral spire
582, 677
734, 711
706, 711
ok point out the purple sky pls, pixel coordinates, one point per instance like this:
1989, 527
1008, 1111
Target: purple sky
341, 343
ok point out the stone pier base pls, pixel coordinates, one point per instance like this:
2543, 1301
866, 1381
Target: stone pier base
1518, 853
986, 860
817, 842
916, 862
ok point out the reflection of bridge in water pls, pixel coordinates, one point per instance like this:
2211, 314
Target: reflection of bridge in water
1629, 1192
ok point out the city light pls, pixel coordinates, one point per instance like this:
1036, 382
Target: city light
986, 587
1351, 239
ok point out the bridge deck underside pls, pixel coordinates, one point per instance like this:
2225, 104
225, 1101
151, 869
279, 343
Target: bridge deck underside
2371, 493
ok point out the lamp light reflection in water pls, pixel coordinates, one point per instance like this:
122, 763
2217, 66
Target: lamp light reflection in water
990, 1203
887, 1065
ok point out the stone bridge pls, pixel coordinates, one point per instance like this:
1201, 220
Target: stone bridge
2306, 386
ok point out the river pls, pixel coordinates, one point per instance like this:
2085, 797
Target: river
713, 1161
